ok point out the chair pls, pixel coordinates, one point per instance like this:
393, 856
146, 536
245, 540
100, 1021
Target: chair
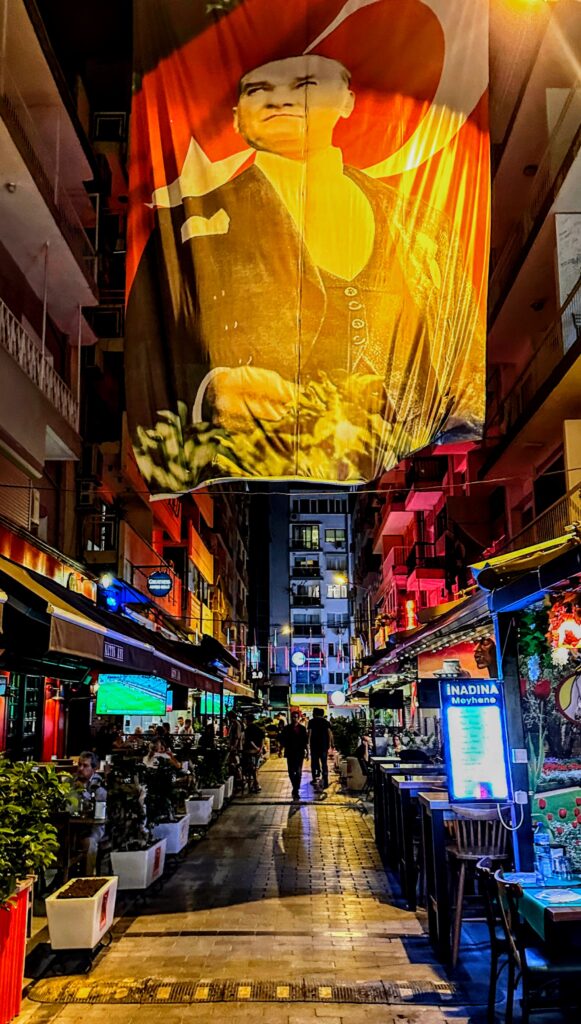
356, 779
477, 832
498, 942
527, 962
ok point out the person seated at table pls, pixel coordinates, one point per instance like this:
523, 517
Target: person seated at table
159, 752
208, 737
90, 785
167, 735
187, 728
179, 725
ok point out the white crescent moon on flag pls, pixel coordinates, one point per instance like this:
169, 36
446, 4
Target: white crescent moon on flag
463, 80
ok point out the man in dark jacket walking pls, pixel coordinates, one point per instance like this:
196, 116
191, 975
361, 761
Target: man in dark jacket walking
320, 740
294, 741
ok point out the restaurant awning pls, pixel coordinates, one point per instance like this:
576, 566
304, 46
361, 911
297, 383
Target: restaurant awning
517, 579
239, 689
67, 623
67, 631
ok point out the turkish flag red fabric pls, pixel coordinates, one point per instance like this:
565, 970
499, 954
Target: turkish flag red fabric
308, 236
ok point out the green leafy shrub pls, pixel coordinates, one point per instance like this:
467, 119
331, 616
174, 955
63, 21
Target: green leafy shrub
29, 795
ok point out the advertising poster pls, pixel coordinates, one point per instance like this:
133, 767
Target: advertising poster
308, 236
550, 679
471, 659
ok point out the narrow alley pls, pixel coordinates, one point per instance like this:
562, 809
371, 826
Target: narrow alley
282, 913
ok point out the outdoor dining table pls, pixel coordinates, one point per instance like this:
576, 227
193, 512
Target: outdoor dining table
386, 839
551, 908
406, 793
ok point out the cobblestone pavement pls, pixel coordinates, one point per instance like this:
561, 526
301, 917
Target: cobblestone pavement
276, 892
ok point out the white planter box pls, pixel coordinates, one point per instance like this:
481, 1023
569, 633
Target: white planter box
137, 869
229, 784
81, 923
174, 832
200, 811
343, 768
217, 794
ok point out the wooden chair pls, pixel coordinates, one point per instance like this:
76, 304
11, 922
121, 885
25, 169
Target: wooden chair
530, 963
477, 832
499, 951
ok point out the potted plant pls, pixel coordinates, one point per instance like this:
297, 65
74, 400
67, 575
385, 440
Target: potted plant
80, 912
212, 773
162, 800
29, 795
136, 858
198, 808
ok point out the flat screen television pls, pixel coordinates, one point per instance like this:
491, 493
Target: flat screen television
131, 695
210, 703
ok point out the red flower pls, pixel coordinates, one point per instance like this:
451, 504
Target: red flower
575, 824
577, 811
542, 803
578, 801
549, 817
559, 830
562, 812
542, 689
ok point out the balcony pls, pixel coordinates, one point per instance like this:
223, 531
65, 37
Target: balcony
395, 518
305, 601
558, 158
555, 359
424, 481
552, 523
47, 176
425, 567
304, 545
308, 631
395, 565
33, 362
101, 540
306, 572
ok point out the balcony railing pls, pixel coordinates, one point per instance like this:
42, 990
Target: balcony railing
426, 472
307, 631
306, 572
304, 601
558, 157
562, 334
423, 556
304, 545
550, 524
33, 362
101, 534
44, 168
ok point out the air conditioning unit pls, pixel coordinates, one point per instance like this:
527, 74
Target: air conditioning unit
91, 462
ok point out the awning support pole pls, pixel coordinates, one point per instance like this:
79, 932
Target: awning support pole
506, 645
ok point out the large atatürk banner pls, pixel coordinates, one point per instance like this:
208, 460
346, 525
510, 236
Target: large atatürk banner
308, 236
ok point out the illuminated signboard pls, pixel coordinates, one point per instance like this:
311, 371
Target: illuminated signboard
475, 740
470, 659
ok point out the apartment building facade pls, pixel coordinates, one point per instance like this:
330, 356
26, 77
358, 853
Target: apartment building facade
415, 538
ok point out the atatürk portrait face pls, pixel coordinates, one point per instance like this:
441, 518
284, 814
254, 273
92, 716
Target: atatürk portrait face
290, 107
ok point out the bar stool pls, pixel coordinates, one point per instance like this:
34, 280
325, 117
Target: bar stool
477, 832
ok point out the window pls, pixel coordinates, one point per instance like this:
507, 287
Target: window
336, 563
337, 590
331, 650
306, 537
338, 621
335, 537
307, 619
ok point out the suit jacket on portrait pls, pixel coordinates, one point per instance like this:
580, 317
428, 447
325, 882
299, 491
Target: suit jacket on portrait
230, 295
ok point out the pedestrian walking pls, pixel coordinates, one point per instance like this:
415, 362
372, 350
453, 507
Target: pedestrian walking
294, 741
320, 742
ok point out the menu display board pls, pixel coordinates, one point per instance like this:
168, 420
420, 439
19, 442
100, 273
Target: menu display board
475, 740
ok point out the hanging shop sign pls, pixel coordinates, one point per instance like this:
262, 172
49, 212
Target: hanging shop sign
475, 741
471, 659
159, 583
307, 238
